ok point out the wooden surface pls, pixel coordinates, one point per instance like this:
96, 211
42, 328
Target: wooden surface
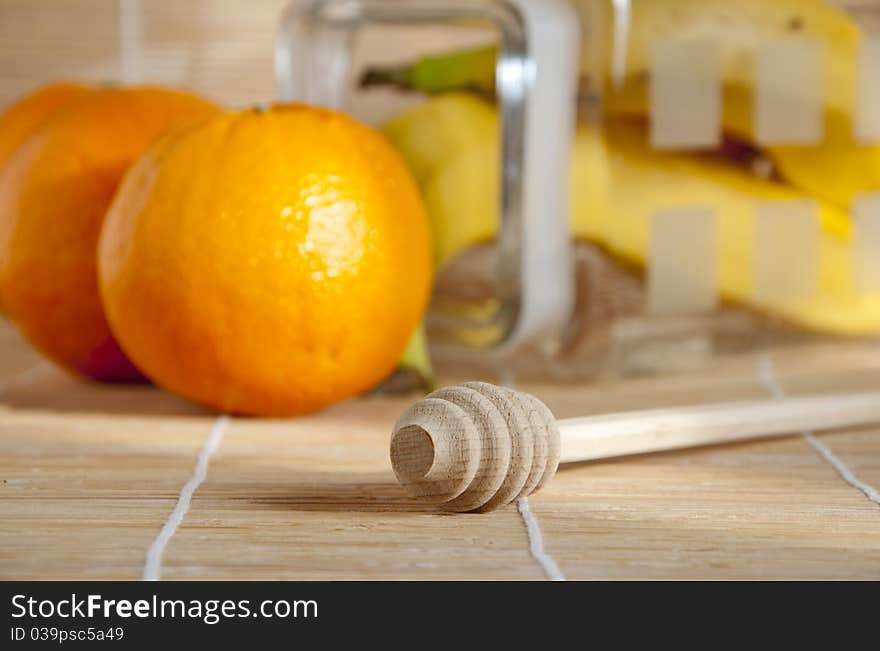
89, 474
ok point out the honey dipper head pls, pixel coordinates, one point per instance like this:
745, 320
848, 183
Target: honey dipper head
475, 447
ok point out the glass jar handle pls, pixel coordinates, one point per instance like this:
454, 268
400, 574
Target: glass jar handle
536, 86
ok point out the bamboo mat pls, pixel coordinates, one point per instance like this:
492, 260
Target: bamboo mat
89, 474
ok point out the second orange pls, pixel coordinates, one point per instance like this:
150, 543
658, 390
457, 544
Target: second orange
54, 192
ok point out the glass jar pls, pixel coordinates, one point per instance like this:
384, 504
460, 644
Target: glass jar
621, 187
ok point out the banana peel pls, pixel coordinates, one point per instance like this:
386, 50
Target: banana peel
617, 182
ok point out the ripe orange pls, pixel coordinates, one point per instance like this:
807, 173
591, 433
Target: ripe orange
30, 112
267, 262
54, 192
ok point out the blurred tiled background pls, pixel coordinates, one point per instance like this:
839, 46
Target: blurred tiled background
221, 48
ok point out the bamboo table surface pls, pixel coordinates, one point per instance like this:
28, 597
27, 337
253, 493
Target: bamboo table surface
89, 475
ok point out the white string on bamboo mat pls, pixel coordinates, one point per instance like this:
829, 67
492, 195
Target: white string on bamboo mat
767, 376
536, 542
533, 528
153, 564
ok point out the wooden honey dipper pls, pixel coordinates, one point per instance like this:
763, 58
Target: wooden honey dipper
477, 446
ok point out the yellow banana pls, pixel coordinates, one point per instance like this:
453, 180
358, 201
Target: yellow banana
738, 29
451, 145
432, 137
435, 130
617, 181
836, 169
642, 179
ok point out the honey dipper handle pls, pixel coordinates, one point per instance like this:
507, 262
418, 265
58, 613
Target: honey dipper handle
614, 435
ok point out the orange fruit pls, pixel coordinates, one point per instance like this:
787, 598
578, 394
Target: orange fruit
21, 119
267, 262
54, 191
